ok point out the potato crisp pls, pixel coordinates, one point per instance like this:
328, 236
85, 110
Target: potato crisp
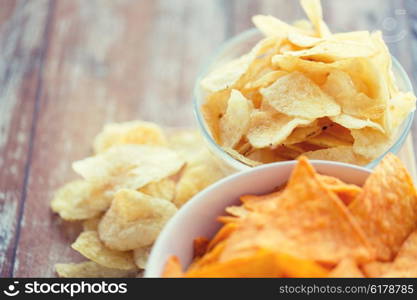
136, 181
302, 90
316, 226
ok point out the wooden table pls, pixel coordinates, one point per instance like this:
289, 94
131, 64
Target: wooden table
69, 66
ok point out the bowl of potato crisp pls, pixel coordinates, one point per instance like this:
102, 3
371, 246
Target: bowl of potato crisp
279, 91
295, 219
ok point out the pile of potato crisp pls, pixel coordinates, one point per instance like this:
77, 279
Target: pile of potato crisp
316, 226
135, 181
304, 90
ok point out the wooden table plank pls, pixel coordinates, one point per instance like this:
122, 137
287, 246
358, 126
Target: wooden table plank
106, 61
22, 26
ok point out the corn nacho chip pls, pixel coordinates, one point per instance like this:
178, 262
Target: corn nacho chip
296, 95
263, 263
304, 71
134, 220
80, 200
90, 269
129, 166
141, 255
301, 232
89, 245
200, 172
386, 208
347, 268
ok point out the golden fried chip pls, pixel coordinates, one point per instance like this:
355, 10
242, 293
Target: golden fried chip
141, 255
90, 269
213, 110
80, 200
129, 166
172, 268
134, 132
162, 189
228, 75
368, 136
386, 208
347, 268
236, 155
187, 143
326, 140
261, 203
346, 192
200, 245
92, 223
302, 133
89, 245
237, 211
200, 172
235, 122
134, 220
343, 154
314, 12
303, 24
350, 122
298, 96
268, 129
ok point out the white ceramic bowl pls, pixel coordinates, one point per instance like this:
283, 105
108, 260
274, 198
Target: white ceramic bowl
198, 217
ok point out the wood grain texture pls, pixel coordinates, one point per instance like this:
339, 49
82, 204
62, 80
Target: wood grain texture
22, 27
70, 66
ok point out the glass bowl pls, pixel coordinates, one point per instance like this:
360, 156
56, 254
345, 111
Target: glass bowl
243, 43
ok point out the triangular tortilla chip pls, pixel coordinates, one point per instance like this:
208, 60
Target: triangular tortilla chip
387, 207
263, 263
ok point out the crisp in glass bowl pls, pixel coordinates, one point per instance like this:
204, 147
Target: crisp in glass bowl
242, 44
